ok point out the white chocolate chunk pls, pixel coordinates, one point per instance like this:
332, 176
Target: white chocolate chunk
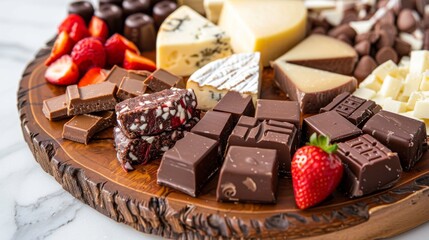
424, 84
390, 87
419, 62
379, 99
394, 106
364, 93
333, 17
421, 109
384, 69
371, 82
416, 96
405, 62
412, 84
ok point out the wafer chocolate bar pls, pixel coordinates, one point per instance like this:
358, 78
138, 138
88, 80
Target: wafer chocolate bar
55, 108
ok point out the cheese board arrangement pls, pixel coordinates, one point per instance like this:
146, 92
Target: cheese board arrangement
248, 119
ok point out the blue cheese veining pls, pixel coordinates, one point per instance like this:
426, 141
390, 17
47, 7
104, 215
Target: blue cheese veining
187, 41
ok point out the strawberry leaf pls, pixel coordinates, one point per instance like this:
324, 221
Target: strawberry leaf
322, 142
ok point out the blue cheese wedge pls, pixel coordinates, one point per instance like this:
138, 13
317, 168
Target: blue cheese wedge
187, 41
240, 73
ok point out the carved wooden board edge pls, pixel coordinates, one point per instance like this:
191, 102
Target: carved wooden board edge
172, 219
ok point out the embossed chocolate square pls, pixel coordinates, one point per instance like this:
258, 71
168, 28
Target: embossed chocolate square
236, 104
330, 124
369, 166
280, 136
354, 109
401, 134
248, 175
189, 164
283, 111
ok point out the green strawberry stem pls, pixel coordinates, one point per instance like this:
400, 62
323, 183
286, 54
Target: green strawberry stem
323, 143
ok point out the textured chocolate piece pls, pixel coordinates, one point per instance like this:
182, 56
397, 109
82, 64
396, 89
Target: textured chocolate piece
137, 151
81, 128
154, 113
93, 98
161, 11
130, 7
117, 73
140, 29
217, 126
130, 88
162, 79
83, 9
236, 104
188, 169
248, 175
330, 124
112, 16
55, 108
369, 166
280, 136
401, 134
283, 111
354, 109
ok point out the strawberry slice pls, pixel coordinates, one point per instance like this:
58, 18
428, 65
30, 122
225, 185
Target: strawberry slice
116, 46
98, 29
71, 19
316, 172
134, 61
88, 53
62, 72
78, 32
63, 45
93, 76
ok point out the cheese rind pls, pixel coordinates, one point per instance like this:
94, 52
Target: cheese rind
187, 41
271, 27
316, 52
312, 88
240, 73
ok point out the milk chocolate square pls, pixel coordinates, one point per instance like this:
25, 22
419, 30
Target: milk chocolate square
236, 104
55, 108
130, 88
401, 134
283, 111
162, 79
248, 175
330, 124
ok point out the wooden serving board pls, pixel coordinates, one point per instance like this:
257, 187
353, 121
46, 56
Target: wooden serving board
92, 174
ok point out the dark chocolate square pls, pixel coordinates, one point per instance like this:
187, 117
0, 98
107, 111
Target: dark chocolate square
369, 166
401, 134
248, 175
189, 164
330, 124
162, 79
283, 111
236, 104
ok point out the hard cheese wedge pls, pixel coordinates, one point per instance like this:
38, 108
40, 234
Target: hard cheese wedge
271, 26
312, 88
187, 41
322, 52
240, 73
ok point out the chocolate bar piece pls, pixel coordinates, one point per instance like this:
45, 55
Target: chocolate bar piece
116, 75
154, 113
330, 124
236, 104
81, 128
136, 151
187, 168
55, 108
248, 175
354, 109
401, 134
93, 98
217, 126
271, 134
162, 79
369, 166
283, 111
130, 88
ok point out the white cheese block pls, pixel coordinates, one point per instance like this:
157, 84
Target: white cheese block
394, 106
240, 72
412, 84
419, 62
187, 41
213, 8
390, 87
270, 27
424, 84
364, 93
421, 109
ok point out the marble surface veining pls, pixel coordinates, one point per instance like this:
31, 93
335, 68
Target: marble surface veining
32, 204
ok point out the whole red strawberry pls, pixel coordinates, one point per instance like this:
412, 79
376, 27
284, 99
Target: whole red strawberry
316, 172
88, 53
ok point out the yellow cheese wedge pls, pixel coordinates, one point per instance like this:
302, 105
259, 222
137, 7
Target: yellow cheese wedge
312, 88
270, 27
324, 53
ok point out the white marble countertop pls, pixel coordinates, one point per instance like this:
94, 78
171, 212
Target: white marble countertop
32, 204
